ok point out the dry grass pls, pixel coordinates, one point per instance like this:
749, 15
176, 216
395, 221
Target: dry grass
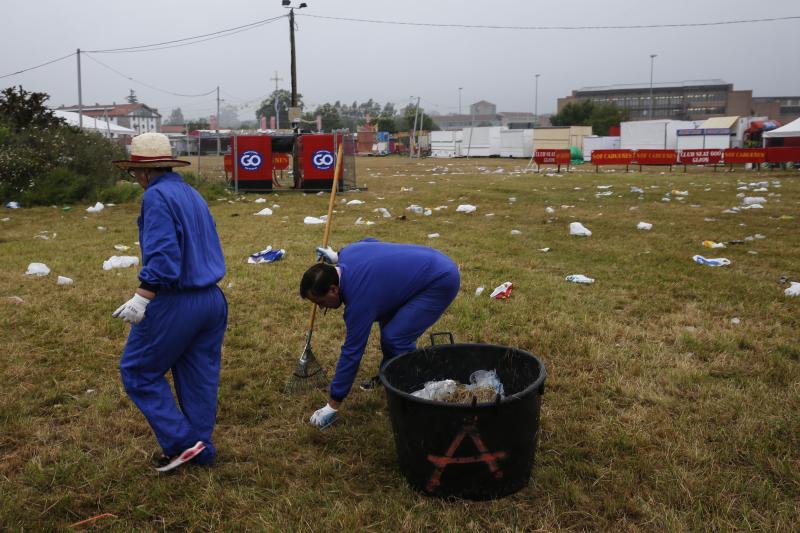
659, 413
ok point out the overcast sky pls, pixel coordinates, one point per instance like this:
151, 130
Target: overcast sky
347, 61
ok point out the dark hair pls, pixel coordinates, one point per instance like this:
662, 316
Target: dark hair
318, 279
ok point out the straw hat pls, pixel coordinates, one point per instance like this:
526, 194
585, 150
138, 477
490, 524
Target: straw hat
150, 150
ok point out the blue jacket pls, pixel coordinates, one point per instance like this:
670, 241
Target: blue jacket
378, 278
178, 237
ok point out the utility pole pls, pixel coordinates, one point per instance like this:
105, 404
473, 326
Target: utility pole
459, 100
413, 133
294, 59
217, 121
652, 58
276, 79
536, 101
80, 92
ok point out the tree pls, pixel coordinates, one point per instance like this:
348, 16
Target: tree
331, 120
21, 109
405, 122
586, 113
229, 117
284, 99
197, 124
176, 117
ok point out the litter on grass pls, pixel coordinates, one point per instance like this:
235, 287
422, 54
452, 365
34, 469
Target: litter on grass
12, 205
121, 247
96, 208
479, 290
260, 200
313, 220
751, 200
433, 235
644, 226
712, 244
466, 208
793, 290
268, 255
516, 232
37, 269
580, 278
264, 212
62, 280
355, 202
502, 291
121, 261
576, 228
712, 262
383, 211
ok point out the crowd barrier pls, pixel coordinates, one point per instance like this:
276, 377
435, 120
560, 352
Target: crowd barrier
701, 157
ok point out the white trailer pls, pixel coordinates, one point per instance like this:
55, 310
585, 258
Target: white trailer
594, 142
652, 134
482, 141
516, 143
446, 143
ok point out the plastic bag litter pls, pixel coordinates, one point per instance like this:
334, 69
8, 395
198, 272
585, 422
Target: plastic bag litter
12, 205
37, 269
549, 210
644, 226
719, 261
260, 200
267, 255
121, 261
636, 189
516, 232
487, 379
360, 221
62, 280
414, 208
313, 220
436, 390
355, 202
793, 290
433, 235
750, 200
264, 212
383, 211
121, 247
576, 228
712, 244
96, 208
580, 278
502, 291
479, 290
466, 208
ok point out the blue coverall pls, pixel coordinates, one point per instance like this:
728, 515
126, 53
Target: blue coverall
403, 287
184, 324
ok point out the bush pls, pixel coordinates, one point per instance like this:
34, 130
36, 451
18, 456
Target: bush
59, 186
210, 190
121, 192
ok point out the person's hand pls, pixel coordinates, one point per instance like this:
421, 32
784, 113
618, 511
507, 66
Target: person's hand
327, 255
133, 310
322, 418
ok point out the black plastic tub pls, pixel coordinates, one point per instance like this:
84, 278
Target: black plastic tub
477, 451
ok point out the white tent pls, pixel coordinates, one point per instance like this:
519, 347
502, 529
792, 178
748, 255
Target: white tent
106, 129
792, 129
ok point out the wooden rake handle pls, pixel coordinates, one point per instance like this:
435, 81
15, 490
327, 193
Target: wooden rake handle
329, 219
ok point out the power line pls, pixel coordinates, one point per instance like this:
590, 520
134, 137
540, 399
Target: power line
194, 40
131, 78
543, 28
37, 66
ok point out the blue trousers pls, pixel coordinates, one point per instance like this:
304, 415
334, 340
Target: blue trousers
181, 332
399, 333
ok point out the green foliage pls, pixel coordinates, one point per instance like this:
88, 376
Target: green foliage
121, 192
210, 190
284, 98
197, 124
405, 122
44, 161
586, 113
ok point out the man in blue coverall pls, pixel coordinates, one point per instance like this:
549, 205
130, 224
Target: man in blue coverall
403, 287
186, 312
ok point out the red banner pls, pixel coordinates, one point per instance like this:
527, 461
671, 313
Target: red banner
656, 157
745, 155
612, 157
280, 161
552, 157
783, 154
701, 157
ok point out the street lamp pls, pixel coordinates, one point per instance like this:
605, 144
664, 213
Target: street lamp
459, 100
652, 60
536, 101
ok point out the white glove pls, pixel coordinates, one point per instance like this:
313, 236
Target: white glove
133, 310
327, 255
322, 418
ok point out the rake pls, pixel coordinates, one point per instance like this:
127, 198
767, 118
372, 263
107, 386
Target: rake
308, 374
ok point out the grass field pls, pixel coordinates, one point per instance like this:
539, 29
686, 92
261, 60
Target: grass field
660, 413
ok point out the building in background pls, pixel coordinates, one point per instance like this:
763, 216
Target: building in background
140, 118
485, 113
686, 100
